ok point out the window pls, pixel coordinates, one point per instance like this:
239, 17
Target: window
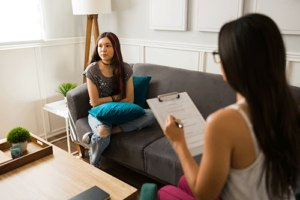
20, 21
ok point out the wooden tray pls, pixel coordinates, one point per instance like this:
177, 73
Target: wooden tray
36, 149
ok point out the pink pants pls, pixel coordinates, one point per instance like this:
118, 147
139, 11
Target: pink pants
182, 192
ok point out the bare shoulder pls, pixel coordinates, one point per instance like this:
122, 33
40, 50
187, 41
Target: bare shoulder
224, 121
223, 115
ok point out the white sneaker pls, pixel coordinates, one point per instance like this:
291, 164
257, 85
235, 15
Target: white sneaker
86, 138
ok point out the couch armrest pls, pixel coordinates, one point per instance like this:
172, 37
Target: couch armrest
78, 102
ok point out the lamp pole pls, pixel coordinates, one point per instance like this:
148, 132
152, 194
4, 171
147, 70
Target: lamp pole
92, 20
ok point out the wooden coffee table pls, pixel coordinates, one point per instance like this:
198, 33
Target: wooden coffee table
60, 176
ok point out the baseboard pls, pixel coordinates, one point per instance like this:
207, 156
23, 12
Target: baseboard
53, 133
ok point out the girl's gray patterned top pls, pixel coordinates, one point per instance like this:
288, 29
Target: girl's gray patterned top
104, 84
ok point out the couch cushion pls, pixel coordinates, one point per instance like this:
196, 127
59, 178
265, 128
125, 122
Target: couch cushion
162, 162
125, 148
128, 148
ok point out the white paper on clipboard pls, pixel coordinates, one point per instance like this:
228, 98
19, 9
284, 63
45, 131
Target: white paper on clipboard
182, 107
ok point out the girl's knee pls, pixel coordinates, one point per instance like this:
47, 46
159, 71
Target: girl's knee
103, 131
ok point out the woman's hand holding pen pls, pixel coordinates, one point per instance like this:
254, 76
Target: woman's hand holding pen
173, 132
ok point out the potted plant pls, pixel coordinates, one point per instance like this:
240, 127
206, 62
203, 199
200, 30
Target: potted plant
64, 88
18, 136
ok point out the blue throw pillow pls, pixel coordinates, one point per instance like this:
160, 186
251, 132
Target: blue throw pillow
140, 84
117, 112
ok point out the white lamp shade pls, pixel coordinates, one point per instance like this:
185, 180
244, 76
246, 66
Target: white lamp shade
91, 7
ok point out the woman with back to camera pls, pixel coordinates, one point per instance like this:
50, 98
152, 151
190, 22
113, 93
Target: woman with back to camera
252, 148
109, 79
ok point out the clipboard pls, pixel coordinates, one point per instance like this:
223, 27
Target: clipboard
182, 107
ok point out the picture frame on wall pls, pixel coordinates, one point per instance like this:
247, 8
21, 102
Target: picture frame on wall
286, 14
211, 15
168, 15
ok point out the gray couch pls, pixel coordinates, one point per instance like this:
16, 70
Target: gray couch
148, 151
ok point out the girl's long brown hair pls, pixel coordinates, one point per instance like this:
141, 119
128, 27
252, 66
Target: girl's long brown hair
119, 86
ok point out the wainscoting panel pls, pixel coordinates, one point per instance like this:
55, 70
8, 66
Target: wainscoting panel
192, 56
61, 64
285, 13
130, 53
174, 58
42, 120
211, 65
168, 14
19, 90
211, 15
294, 73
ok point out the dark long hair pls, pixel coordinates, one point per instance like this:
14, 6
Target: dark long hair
119, 86
253, 57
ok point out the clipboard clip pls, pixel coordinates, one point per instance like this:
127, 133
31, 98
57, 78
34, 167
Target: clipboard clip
168, 96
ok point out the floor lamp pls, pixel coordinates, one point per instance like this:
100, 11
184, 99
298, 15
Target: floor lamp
91, 8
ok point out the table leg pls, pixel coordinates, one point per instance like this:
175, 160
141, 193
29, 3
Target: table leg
68, 136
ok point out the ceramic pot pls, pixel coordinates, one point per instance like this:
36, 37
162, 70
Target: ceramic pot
23, 144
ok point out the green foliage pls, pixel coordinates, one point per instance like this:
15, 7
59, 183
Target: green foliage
18, 135
65, 87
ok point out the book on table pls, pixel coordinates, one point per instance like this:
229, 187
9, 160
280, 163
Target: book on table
93, 193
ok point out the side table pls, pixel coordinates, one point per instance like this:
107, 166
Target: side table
58, 108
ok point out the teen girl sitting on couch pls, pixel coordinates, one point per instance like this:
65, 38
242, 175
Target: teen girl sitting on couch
109, 79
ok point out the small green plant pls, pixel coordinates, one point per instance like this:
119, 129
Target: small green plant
65, 87
18, 135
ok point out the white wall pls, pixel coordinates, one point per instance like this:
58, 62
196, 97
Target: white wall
29, 78
60, 21
190, 49
30, 73
16, 99
130, 19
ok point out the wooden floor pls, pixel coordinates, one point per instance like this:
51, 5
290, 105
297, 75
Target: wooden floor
119, 171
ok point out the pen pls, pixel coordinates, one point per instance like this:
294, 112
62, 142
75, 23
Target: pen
178, 124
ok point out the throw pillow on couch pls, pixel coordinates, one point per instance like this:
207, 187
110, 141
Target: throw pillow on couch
120, 112
140, 84
117, 112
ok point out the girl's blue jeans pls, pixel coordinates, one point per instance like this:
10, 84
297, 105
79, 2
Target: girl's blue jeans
99, 143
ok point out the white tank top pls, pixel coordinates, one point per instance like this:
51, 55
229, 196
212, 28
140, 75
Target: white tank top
247, 183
